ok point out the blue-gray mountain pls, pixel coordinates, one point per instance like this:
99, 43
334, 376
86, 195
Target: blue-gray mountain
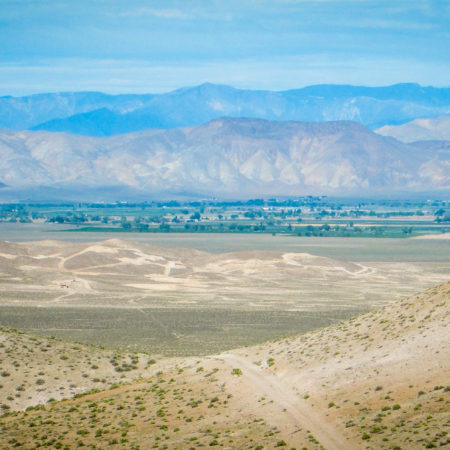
225, 158
97, 114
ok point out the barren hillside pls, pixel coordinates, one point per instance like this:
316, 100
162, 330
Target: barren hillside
224, 157
381, 377
35, 369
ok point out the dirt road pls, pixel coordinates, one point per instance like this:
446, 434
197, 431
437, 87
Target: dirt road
299, 413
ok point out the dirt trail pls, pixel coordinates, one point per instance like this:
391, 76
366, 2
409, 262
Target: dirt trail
281, 393
168, 267
61, 297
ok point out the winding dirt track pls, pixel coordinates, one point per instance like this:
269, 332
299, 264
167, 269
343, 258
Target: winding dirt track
300, 414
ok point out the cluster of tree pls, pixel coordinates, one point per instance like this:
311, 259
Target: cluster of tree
338, 230
442, 215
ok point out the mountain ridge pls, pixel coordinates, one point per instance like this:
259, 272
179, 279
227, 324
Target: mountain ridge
227, 157
84, 112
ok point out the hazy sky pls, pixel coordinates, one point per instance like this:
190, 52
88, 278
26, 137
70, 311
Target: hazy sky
154, 46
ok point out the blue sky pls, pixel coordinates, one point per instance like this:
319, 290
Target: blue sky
155, 46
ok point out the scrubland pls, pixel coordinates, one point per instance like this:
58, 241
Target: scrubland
378, 380
181, 302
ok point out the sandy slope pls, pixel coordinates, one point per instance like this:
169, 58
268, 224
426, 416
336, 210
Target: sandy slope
283, 394
63, 369
352, 374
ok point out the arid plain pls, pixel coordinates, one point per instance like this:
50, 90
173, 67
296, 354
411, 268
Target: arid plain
308, 370
175, 301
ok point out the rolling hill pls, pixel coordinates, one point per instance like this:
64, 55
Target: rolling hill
148, 298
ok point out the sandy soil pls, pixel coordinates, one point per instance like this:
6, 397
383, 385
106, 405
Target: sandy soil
352, 374
433, 236
52, 273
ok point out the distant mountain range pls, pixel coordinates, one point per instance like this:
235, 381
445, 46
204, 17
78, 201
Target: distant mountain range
419, 130
229, 157
97, 114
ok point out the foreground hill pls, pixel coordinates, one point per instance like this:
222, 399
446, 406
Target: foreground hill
97, 114
225, 157
380, 378
437, 129
36, 369
376, 381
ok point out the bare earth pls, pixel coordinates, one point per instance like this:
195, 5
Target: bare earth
124, 274
433, 236
354, 373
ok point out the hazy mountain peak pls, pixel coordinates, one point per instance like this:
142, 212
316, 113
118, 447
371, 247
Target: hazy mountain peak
370, 106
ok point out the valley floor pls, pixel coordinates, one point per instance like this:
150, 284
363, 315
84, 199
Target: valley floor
181, 302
